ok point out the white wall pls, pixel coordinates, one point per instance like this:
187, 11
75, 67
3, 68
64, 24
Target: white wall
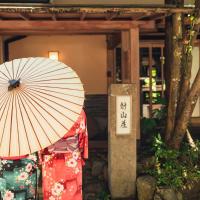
195, 67
86, 54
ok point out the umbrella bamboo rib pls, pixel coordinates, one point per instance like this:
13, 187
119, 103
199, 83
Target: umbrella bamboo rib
17, 125
39, 76
25, 64
20, 109
5, 120
11, 118
3, 95
56, 92
22, 68
51, 106
2, 134
7, 70
31, 67
25, 100
40, 100
33, 75
35, 69
63, 83
45, 110
5, 76
18, 68
4, 103
3, 79
41, 114
56, 98
64, 88
54, 79
30, 122
12, 70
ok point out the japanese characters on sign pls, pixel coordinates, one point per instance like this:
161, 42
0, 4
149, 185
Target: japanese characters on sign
123, 114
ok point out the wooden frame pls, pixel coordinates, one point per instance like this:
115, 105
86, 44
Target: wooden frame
64, 27
150, 45
128, 20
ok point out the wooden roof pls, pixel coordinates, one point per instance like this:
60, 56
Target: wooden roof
85, 12
120, 16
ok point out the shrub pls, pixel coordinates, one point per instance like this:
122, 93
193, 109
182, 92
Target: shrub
175, 168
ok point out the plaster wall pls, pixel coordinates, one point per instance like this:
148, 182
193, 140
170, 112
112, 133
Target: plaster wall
195, 67
86, 54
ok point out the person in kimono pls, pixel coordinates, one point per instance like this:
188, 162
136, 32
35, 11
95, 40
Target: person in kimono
19, 178
62, 164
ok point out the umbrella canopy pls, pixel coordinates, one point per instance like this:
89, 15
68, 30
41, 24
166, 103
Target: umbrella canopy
40, 100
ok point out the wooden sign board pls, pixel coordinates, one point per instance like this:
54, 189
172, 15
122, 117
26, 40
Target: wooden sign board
123, 114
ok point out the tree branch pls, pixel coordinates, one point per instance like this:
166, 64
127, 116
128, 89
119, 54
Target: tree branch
182, 122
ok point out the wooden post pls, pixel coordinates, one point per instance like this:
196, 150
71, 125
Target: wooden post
126, 55
110, 66
112, 41
1, 50
130, 65
122, 147
135, 74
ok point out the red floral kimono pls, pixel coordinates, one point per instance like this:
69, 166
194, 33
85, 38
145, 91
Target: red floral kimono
62, 164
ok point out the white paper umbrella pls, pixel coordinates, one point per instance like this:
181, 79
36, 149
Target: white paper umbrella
40, 100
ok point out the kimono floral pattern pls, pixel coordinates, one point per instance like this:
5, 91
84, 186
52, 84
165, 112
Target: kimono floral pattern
18, 178
62, 172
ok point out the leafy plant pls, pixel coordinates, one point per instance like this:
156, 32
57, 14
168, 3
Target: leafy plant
151, 126
103, 195
174, 168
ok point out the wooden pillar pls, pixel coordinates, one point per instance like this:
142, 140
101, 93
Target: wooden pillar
113, 40
135, 74
126, 56
110, 66
1, 50
122, 147
130, 65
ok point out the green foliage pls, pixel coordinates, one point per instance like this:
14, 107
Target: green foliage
103, 195
175, 168
151, 126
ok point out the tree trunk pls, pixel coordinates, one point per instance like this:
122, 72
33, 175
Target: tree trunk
175, 66
188, 41
182, 101
182, 122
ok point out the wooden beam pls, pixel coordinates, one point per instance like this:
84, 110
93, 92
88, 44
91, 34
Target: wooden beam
92, 9
135, 73
54, 18
138, 16
10, 26
113, 40
12, 33
24, 16
158, 16
111, 15
82, 16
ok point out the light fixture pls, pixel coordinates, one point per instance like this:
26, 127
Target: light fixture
54, 55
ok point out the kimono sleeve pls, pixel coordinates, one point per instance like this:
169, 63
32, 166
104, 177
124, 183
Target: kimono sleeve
83, 137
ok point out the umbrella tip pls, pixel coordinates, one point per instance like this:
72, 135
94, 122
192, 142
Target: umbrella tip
13, 84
